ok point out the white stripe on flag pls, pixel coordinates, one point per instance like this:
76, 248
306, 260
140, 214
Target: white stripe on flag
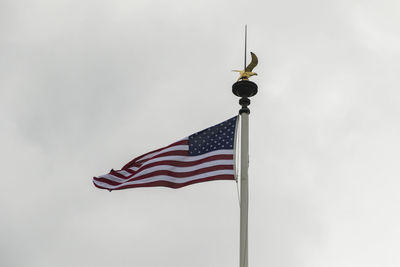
169, 168
187, 158
167, 178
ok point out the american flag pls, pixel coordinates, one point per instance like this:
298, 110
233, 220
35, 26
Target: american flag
204, 156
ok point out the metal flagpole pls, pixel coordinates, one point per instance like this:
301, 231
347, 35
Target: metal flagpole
244, 188
244, 89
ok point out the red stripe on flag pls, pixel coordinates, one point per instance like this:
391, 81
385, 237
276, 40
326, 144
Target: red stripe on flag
166, 173
171, 184
176, 163
182, 142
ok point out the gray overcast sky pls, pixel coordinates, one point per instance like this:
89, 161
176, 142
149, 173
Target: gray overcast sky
87, 85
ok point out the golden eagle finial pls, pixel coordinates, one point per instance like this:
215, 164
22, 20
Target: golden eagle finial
248, 71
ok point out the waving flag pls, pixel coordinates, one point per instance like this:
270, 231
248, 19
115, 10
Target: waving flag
204, 156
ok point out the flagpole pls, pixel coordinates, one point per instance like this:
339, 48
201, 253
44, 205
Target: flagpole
244, 89
244, 188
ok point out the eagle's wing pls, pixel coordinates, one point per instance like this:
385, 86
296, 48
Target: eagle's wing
253, 63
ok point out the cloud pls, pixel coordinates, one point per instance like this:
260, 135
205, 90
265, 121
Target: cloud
86, 86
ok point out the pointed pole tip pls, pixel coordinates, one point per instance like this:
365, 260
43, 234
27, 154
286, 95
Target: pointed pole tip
245, 47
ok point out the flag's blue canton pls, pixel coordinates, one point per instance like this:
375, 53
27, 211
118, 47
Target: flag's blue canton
220, 136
